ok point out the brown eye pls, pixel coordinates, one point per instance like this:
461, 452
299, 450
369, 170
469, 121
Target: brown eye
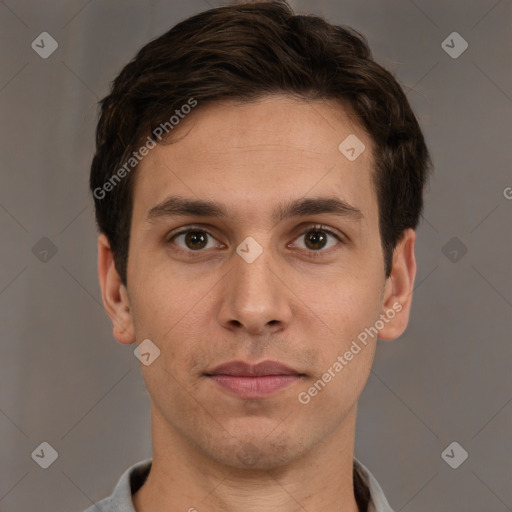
196, 240
193, 240
315, 240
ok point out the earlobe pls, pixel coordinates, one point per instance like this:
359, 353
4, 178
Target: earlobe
114, 294
398, 289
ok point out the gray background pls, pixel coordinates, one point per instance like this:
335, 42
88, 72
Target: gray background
66, 381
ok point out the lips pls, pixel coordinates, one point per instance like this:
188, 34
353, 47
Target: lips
257, 381
242, 369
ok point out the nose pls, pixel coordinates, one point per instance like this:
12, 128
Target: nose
255, 296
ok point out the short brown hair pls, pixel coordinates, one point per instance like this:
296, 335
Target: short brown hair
246, 52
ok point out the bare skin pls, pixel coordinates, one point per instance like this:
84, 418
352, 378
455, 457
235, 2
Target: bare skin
299, 302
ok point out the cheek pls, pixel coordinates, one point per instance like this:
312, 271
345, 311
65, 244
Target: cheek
346, 302
163, 297
346, 353
358, 314
178, 320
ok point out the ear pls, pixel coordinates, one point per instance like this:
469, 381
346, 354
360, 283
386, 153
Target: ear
397, 296
114, 294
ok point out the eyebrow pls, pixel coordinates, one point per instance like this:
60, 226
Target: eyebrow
179, 206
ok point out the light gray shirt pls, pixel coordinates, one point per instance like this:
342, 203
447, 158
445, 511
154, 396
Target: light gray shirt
134, 477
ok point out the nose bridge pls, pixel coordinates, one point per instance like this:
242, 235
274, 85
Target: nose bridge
253, 268
254, 296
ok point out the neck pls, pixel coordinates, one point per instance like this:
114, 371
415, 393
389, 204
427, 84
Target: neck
184, 478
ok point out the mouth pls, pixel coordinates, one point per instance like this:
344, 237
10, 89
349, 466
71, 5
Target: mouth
254, 381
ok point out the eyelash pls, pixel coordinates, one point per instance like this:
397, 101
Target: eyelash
312, 253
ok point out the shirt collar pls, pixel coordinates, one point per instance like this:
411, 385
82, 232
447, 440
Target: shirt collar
134, 477
378, 501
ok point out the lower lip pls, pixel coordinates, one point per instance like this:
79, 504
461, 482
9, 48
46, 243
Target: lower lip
254, 387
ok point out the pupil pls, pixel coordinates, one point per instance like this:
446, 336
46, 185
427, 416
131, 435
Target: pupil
317, 237
195, 237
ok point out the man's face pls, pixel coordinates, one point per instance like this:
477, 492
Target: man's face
301, 302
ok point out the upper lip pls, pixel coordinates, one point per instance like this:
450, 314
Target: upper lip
243, 369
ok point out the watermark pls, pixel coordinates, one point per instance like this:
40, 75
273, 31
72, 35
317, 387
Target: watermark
146, 352
304, 397
454, 455
507, 192
249, 249
454, 249
44, 45
351, 147
454, 45
45, 455
137, 156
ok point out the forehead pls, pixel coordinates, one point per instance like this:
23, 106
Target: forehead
250, 154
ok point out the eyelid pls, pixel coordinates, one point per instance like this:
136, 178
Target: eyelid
186, 229
322, 227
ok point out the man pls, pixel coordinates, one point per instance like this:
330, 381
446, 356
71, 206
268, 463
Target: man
258, 179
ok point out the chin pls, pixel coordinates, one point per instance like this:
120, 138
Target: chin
256, 452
